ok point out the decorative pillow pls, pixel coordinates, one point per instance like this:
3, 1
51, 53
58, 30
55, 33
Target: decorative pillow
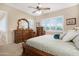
57, 36
76, 41
70, 35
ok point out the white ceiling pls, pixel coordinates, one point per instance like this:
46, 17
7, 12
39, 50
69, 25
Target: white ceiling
53, 6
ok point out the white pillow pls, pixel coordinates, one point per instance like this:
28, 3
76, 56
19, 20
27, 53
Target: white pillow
70, 35
62, 35
76, 41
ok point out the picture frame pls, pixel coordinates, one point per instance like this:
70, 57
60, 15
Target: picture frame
71, 21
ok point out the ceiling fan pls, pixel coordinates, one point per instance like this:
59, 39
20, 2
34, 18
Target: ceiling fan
38, 8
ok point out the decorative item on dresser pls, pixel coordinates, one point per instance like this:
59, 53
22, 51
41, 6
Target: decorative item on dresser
40, 31
21, 34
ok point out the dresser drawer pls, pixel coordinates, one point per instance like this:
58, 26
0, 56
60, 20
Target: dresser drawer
22, 35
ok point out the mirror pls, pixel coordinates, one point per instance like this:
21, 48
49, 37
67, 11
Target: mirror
23, 24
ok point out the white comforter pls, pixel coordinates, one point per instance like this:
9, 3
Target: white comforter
48, 44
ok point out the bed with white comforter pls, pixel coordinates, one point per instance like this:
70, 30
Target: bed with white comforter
55, 47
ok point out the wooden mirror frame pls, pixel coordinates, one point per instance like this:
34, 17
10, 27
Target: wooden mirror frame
23, 20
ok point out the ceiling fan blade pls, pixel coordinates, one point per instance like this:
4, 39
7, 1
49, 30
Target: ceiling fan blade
34, 11
44, 8
31, 7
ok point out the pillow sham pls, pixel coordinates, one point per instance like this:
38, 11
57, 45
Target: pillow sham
70, 35
76, 41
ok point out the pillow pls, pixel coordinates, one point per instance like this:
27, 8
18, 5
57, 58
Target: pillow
70, 35
57, 36
62, 35
76, 41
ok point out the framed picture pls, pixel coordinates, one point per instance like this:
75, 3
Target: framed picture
71, 21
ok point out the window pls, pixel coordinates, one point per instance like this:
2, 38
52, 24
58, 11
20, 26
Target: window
3, 21
53, 24
31, 23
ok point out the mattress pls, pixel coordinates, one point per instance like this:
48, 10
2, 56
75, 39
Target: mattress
48, 44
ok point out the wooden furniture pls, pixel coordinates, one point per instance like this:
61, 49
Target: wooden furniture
30, 51
20, 34
40, 31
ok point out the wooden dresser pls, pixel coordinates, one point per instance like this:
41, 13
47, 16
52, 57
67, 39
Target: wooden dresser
21, 34
40, 31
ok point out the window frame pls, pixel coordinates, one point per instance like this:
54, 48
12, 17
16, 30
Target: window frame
53, 18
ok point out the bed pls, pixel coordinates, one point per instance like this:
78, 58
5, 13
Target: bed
46, 45
29, 50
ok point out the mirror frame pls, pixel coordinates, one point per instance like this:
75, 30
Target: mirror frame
23, 20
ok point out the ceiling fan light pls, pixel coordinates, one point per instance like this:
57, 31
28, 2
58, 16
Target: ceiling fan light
39, 12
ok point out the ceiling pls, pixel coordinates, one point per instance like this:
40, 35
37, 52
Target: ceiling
53, 6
